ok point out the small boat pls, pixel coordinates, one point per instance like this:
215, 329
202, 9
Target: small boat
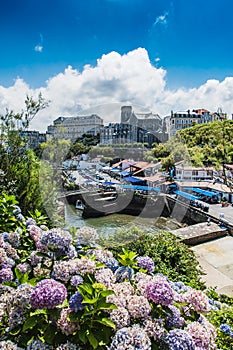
79, 205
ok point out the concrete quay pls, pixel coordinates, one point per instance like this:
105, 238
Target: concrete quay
216, 260
213, 248
199, 233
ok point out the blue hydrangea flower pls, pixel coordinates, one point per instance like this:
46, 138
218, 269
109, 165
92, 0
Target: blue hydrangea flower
75, 302
112, 264
37, 345
124, 273
179, 339
225, 328
131, 338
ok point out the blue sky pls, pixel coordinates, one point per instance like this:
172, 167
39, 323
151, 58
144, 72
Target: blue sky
190, 40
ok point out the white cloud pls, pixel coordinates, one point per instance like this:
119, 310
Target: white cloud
114, 81
161, 19
38, 48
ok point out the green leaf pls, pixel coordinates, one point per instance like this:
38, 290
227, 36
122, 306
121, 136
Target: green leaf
18, 274
90, 301
31, 322
82, 336
106, 293
86, 287
107, 322
39, 312
92, 339
50, 334
15, 331
103, 305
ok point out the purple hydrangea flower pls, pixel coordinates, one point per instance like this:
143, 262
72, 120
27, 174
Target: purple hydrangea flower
174, 319
68, 346
24, 267
203, 333
76, 280
71, 252
64, 324
47, 294
198, 300
180, 287
146, 263
30, 222
160, 292
75, 302
6, 275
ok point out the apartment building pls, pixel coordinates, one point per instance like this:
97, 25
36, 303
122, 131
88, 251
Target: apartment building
185, 119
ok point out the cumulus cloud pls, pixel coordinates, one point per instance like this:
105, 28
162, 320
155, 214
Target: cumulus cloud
114, 81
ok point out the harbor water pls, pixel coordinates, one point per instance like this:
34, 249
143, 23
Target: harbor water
110, 224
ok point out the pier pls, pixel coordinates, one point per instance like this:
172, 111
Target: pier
184, 212
200, 233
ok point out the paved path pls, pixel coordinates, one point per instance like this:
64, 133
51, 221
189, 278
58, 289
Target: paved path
216, 260
216, 209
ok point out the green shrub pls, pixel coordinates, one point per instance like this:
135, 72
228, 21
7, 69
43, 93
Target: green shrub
171, 257
7, 207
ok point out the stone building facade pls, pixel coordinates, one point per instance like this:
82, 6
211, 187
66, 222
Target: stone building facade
71, 128
134, 127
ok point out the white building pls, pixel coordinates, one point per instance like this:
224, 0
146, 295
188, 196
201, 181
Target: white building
187, 173
185, 119
71, 128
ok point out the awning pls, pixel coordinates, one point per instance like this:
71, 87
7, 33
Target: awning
125, 173
134, 180
186, 195
203, 192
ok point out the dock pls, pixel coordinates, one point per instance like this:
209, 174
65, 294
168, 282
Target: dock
200, 233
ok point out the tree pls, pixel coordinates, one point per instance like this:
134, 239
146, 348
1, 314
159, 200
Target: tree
19, 167
161, 150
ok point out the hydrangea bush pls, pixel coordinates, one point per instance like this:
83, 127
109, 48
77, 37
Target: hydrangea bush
63, 292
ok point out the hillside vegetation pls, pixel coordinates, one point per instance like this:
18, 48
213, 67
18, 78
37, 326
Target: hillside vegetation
209, 144
201, 145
